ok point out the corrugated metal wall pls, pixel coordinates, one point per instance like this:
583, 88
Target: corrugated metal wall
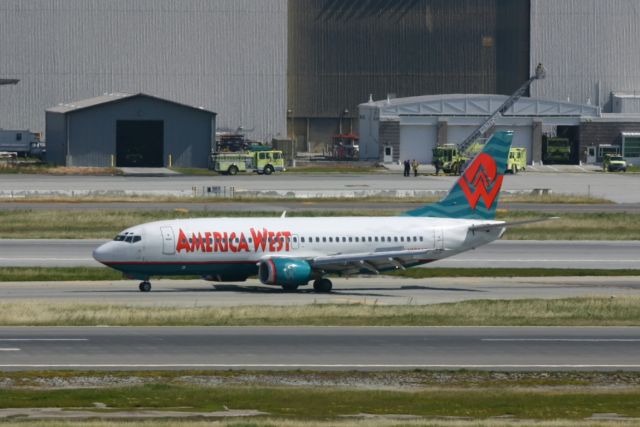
582, 42
341, 51
228, 56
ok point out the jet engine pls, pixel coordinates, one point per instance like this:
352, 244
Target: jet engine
285, 272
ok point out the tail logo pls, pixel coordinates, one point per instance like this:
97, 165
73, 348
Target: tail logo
481, 180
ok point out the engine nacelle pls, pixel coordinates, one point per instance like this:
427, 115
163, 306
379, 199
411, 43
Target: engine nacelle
284, 271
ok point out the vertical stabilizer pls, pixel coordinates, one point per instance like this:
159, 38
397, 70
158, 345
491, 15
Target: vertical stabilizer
475, 193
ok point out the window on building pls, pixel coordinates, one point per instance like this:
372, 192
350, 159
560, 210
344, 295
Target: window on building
631, 146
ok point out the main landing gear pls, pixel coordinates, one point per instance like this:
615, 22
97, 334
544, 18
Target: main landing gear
144, 286
322, 285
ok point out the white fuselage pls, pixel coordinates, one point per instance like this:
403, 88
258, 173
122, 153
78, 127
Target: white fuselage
209, 246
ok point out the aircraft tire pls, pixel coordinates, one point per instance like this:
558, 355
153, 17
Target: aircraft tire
289, 288
322, 285
144, 286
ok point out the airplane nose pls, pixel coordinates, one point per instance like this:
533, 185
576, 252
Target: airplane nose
100, 253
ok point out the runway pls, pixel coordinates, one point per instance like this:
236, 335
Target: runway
379, 290
318, 348
499, 254
610, 186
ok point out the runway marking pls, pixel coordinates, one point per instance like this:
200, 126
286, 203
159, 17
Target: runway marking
564, 339
44, 339
10, 349
320, 366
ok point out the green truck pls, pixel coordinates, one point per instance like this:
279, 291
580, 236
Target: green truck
614, 163
557, 151
263, 162
447, 157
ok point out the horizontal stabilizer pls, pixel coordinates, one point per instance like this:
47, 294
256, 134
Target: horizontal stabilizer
487, 227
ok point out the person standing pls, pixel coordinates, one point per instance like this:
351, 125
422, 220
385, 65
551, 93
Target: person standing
407, 168
414, 165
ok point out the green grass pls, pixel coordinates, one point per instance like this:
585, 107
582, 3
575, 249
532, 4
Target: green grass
105, 224
323, 403
582, 311
56, 274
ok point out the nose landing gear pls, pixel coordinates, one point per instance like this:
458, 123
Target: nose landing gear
144, 286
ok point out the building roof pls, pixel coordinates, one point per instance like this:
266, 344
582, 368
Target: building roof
478, 105
110, 97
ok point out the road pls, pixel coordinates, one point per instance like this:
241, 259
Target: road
502, 253
614, 187
336, 348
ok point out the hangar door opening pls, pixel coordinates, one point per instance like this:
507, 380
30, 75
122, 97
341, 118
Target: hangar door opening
139, 143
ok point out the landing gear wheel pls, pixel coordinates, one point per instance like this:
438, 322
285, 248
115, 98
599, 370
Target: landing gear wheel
144, 286
289, 288
322, 285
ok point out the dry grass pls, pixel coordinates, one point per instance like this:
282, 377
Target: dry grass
368, 422
589, 311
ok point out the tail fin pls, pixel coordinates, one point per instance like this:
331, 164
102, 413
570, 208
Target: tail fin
475, 194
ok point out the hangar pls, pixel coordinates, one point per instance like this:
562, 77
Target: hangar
409, 128
123, 129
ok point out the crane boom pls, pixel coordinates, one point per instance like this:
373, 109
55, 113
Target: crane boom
539, 74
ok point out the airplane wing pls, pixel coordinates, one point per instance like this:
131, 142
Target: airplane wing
372, 262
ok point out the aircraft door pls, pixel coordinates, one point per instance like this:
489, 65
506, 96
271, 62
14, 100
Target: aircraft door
295, 241
168, 241
438, 239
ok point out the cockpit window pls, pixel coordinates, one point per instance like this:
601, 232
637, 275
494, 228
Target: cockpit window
127, 237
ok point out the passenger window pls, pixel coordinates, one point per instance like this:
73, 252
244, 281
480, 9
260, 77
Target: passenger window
351, 239
302, 240
317, 240
324, 239
357, 239
415, 239
402, 238
330, 239
370, 239
421, 238
344, 239
375, 238
395, 239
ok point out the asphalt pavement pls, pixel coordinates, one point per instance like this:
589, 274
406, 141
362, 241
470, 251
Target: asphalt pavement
335, 348
500, 254
616, 187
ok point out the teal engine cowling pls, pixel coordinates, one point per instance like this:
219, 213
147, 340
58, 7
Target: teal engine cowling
284, 272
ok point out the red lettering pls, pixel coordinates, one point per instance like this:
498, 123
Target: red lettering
218, 244
207, 243
287, 236
272, 246
232, 239
243, 246
183, 243
198, 244
279, 241
259, 239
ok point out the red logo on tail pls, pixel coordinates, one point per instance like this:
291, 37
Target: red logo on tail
481, 176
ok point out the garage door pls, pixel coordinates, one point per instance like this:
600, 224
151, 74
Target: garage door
416, 142
139, 143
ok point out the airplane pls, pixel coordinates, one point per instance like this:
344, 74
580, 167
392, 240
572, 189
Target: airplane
291, 252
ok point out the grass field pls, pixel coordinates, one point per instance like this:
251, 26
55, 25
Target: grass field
105, 224
302, 403
583, 311
56, 274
